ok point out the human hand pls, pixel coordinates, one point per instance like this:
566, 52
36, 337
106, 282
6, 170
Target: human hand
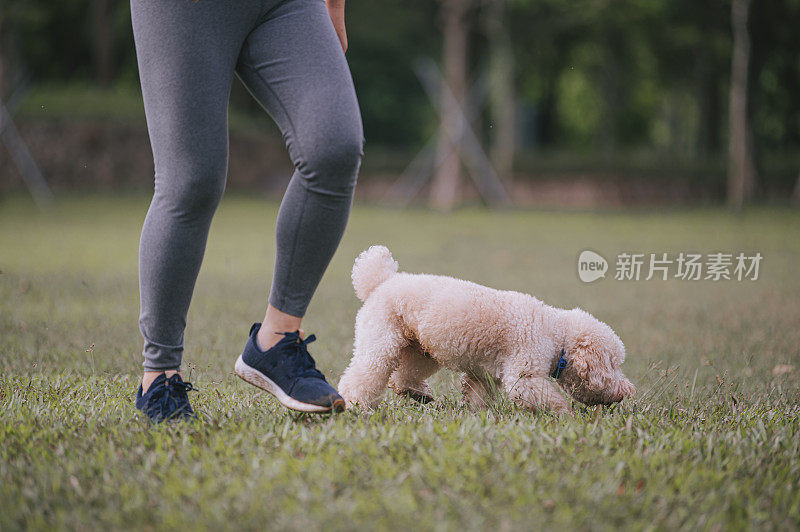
336, 12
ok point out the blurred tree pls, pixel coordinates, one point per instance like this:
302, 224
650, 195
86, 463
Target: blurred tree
502, 99
75, 40
741, 170
691, 40
9, 58
12, 16
774, 91
448, 176
596, 76
588, 66
102, 41
386, 38
543, 34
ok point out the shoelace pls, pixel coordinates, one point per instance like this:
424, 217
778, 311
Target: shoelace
303, 356
171, 395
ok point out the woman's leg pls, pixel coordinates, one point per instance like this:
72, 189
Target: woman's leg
293, 64
187, 52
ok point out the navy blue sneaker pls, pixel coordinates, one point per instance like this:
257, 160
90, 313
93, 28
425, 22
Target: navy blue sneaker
166, 399
287, 371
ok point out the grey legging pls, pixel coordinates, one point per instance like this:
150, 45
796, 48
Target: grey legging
287, 54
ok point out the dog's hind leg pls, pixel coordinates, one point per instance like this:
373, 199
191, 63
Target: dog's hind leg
409, 377
376, 354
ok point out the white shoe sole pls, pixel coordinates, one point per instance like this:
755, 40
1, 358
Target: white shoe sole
259, 380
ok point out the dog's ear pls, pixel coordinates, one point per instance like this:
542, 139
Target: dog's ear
579, 358
579, 346
590, 366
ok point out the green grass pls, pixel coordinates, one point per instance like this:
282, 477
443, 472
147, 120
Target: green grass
118, 103
79, 101
712, 440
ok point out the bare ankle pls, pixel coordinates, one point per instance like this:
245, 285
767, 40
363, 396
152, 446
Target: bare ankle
275, 324
268, 336
150, 376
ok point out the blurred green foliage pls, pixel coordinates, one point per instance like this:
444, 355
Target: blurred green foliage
591, 75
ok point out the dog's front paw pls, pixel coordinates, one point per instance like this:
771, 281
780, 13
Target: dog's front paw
359, 407
348, 393
349, 401
357, 389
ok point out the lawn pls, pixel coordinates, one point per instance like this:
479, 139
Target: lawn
711, 441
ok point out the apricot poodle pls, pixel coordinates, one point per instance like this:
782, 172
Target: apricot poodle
410, 325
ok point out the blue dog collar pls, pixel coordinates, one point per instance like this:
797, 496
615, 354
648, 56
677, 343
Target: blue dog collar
562, 363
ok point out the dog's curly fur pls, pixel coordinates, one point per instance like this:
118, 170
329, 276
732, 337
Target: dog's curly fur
411, 325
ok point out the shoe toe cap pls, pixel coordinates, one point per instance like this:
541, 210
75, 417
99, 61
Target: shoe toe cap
316, 392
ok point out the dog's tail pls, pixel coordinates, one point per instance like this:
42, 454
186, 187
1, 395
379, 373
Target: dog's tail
372, 267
